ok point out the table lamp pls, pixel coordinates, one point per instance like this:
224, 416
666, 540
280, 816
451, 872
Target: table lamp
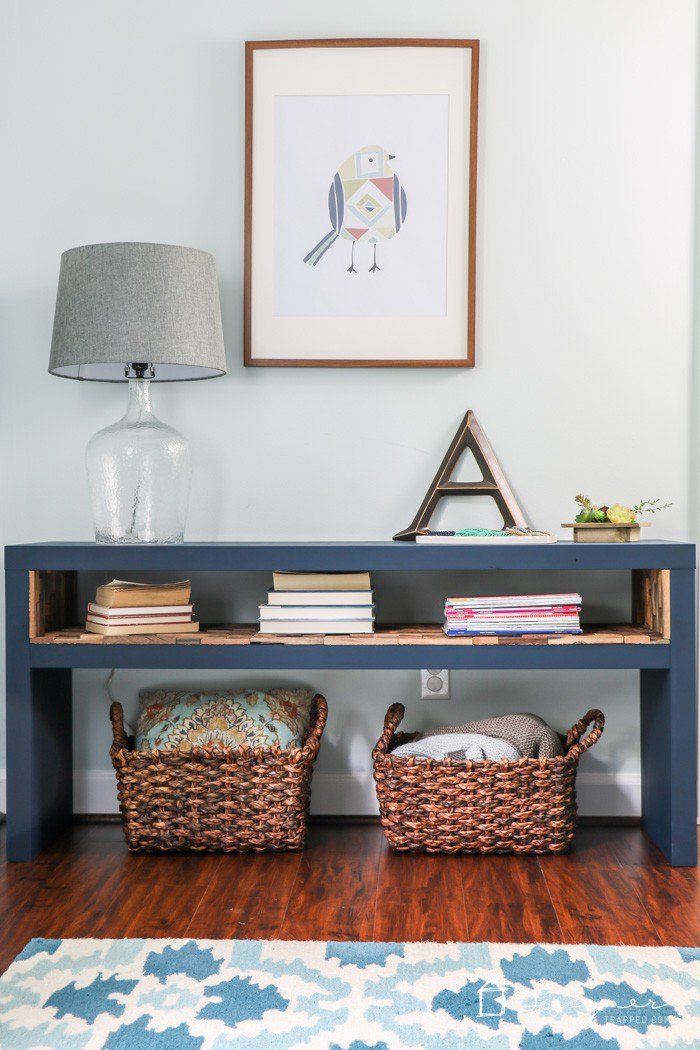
139, 314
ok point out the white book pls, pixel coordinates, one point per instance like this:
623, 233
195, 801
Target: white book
329, 612
296, 598
138, 610
316, 627
124, 629
130, 621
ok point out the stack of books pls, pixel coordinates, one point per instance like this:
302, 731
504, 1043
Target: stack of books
513, 614
123, 608
318, 603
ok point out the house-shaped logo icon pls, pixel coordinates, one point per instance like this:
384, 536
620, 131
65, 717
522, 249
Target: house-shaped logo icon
491, 1001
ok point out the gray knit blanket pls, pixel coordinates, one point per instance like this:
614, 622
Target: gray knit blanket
462, 747
530, 734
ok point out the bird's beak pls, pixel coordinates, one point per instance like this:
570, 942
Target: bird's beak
392, 156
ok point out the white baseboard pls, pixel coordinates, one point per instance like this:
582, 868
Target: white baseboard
95, 791
353, 794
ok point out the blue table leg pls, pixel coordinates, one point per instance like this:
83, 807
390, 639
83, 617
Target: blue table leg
39, 737
669, 734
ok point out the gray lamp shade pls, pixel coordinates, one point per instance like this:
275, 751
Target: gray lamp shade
133, 302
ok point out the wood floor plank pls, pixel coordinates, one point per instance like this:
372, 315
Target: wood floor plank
155, 895
335, 892
420, 898
615, 888
42, 898
91, 886
595, 898
248, 898
506, 899
671, 896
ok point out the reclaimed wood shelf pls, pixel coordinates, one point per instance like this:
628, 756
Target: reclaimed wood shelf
402, 647
400, 634
43, 649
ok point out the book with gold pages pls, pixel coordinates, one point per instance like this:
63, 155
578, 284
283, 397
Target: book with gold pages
124, 593
122, 608
321, 581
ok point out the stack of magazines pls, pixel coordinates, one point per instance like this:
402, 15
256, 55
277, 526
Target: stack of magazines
123, 608
513, 614
318, 603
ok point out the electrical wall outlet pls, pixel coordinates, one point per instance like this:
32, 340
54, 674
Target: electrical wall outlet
435, 685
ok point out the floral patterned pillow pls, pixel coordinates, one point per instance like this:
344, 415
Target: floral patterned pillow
170, 720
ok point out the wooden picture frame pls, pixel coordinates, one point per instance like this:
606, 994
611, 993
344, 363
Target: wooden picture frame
438, 331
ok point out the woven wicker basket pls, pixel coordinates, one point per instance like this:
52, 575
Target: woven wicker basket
211, 798
528, 806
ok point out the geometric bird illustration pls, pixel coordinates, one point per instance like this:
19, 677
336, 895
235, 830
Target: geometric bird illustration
366, 202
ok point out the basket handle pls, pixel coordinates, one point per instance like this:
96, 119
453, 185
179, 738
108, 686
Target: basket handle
319, 709
392, 720
576, 743
116, 716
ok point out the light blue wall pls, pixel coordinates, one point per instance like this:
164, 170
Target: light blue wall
125, 121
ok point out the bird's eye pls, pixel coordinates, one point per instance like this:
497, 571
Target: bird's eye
368, 162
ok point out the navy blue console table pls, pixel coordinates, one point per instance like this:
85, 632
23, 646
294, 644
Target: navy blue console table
41, 653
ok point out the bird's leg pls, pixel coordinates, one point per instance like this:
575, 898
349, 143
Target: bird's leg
374, 266
351, 267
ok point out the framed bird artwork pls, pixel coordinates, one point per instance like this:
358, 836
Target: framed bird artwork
360, 203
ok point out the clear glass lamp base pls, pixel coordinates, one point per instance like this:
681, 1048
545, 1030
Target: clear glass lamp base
139, 472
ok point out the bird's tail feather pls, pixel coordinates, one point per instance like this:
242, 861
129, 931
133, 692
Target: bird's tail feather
322, 247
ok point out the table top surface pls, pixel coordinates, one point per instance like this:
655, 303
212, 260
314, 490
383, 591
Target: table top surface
342, 555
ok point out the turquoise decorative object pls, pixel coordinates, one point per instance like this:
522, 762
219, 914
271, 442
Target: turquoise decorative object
480, 532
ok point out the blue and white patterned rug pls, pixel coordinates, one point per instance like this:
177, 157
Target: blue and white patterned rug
186, 995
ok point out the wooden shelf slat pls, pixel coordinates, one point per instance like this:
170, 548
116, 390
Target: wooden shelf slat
407, 634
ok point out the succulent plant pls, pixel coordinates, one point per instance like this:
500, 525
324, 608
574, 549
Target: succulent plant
620, 515
617, 514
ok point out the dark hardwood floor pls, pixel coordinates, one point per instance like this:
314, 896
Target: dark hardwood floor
615, 888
